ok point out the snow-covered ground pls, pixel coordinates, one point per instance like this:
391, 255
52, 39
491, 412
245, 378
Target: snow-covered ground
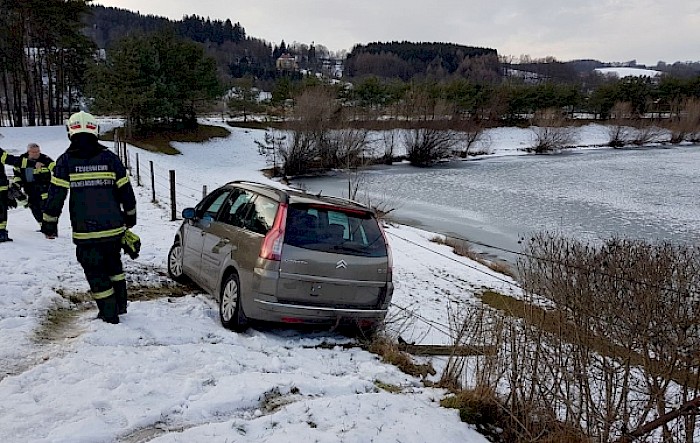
621, 72
170, 372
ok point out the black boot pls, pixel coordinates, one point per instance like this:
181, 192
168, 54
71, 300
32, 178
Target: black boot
121, 295
107, 308
3, 236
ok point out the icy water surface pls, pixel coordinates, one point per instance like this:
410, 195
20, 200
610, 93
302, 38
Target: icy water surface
646, 193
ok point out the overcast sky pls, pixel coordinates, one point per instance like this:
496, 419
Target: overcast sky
607, 30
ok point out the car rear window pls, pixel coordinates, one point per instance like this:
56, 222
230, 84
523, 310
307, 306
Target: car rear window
331, 229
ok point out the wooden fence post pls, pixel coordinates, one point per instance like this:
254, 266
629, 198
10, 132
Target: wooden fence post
127, 163
138, 172
153, 183
173, 204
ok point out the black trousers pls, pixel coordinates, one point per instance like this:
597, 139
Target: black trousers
102, 264
3, 207
36, 204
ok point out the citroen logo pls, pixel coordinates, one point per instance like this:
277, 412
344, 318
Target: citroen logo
341, 264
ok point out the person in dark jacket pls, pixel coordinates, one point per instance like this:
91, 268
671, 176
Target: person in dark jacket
7, 159
102, 206
35, 181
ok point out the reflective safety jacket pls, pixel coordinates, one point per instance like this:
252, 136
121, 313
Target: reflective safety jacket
12, 160
101, 197
35, 181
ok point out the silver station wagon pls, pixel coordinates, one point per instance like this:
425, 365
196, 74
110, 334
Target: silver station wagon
285, 256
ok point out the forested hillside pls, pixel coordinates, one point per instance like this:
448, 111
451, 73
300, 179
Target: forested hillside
106, 25
406, 60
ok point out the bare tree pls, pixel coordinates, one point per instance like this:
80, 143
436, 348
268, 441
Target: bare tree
647, 132
620, 131
473, 133
389, 143
685, 126
551, 132
425, 146
431, 137
317, 136
626, 338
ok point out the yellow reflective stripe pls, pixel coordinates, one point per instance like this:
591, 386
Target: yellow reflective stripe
48, 218
103, 294
45, 195
92, 176
4, 188
25, 162
16, 179
59, 182
51, 166
3, 225
122, 181
42, 170
98, 234
132, 212
3, 157
118, 277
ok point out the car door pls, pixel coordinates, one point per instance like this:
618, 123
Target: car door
194, 232
222, 236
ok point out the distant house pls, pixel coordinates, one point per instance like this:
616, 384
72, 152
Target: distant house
528, 77
287, 62
332, 67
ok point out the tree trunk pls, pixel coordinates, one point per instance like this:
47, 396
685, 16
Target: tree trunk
51, 91
17, 99
39, 81
8, 109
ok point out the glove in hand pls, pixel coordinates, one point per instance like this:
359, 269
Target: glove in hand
131, 244
49, 229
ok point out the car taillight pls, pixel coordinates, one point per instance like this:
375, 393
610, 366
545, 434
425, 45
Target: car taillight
389, 258
272, 244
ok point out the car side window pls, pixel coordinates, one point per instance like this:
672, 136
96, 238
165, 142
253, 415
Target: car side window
261, 215
211, 205
237, 207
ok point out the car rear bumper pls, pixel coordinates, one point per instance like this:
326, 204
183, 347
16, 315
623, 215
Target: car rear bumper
294, 313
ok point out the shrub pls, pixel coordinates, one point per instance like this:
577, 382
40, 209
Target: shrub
551, 132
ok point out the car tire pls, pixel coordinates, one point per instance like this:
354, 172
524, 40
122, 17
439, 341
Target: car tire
175, 269
230, 309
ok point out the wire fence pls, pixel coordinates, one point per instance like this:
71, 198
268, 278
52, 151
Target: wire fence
166, 189
164, 185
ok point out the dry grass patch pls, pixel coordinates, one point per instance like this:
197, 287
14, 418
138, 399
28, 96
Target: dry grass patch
392, 389
464, 249
482, 408
160, 141
390, 353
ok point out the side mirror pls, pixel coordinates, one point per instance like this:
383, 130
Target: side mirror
188, 213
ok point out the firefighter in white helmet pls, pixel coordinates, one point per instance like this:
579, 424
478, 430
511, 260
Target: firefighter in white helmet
102, 206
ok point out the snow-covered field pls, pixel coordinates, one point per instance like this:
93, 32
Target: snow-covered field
170, 372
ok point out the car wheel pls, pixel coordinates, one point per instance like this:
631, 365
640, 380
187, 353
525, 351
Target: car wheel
175, 270
230, 309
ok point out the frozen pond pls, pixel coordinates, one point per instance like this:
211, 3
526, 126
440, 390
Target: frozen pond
595, 194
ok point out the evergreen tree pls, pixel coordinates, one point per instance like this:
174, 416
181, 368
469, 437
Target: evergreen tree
155, 79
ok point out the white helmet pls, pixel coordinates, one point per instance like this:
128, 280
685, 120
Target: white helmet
82, 122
